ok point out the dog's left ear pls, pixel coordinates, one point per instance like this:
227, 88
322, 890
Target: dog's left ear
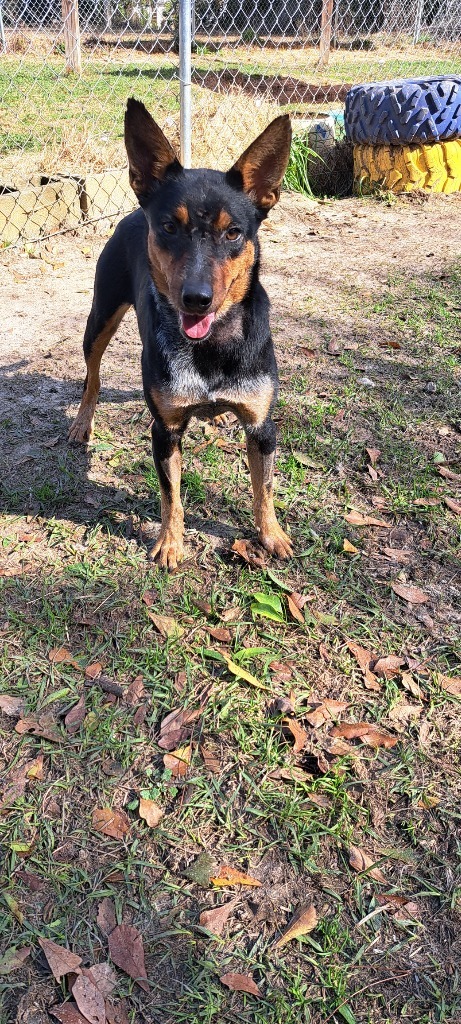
150, 154
260, 169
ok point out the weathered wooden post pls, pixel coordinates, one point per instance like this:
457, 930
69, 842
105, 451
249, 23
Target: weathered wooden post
71, 26
325, 32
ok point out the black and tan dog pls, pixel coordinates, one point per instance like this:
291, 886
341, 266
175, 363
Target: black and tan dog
188, 262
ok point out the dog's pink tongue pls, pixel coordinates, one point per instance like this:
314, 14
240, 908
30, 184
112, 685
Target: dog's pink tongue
196, 327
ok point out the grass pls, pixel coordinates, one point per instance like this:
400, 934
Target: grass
74, 574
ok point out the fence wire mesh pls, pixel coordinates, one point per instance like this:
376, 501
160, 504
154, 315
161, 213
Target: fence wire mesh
67, 68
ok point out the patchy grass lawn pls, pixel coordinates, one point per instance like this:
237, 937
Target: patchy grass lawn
268, 778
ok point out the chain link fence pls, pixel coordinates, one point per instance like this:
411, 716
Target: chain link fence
67, 68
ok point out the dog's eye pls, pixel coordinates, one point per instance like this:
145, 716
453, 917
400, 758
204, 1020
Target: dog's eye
232, 234
170, 227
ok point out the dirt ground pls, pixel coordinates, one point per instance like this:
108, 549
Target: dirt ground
310, 250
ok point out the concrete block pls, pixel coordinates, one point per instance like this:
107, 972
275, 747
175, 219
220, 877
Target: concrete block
39, 211
107, 194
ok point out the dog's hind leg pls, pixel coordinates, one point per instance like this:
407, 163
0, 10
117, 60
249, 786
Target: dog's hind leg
99, 330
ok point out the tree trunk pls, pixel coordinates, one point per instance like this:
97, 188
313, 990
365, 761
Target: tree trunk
71, 27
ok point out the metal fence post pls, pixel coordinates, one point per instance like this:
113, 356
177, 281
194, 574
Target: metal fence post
185, 77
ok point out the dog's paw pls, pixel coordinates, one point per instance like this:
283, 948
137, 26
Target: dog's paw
168, 549
276, 541
81, 430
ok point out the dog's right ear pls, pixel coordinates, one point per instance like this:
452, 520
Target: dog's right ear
150, 154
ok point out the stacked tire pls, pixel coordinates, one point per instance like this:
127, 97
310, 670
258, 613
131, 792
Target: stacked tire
406, 134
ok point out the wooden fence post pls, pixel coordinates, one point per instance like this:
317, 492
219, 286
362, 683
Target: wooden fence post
325, 31
71, 25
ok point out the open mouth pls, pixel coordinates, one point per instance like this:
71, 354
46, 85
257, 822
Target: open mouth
196, 327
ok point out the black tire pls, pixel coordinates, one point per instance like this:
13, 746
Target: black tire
412, 110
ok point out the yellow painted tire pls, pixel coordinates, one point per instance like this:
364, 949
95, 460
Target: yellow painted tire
432, 167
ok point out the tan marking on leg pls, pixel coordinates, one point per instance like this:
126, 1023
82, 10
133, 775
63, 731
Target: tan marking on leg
82, 427
169, 545
270, 533
173, 409
254, 409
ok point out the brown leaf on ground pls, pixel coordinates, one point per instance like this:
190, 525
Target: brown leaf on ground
67, 1013
215, 920
231, 614
340, 748
94, 670
149, 598
76, 716
449, 474
228, 876
299, 734
11, 706
61, 960
319, 800
61, 656
365, 732
363, 657
399, 906
117, 1013
126, 949
303, 922
33, 882
453, 505
350, 549
282, 671
389, 666
220, 633
140, 714
357, 519
291, 774
210, 760
103, 977
178, 761
44, 727
414, 595
326, 712
166, 625
134, 692
13, 959
177, 727
204, 606
150, 811
452, 684
402, 712
106, 918
412, 686
89, 1000
293, 609
373, 455
397, 555
241, 983
249, 553
361, 861
111, 822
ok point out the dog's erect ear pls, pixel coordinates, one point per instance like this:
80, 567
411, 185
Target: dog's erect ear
149, 152
262, 166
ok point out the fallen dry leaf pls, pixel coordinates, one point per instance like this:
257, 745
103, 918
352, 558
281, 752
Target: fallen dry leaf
366, 732
228, 876
61, 656
75, 717
67, 1013
111, 822
220, 633
166, 625
44, 727
13, 959
294, 610
299, 734
412, 686
241, 983
61, 960
89, 1000
231, 614
150, 811
94, 670
178, 761
117, 1013
282, 671
249, 553
215, 920
389, 666
319, 800
404, 712
350, 549
291, 774
12, 706
373, 455
414, 595
106, 919
449, 474
452, 684
397, 555
126, 949
303, 922
361, 655
177, 727
103, 977
453, 505
210, 760
361, 861
357, 519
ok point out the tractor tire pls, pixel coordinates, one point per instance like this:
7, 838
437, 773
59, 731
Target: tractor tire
413, 110
431, 168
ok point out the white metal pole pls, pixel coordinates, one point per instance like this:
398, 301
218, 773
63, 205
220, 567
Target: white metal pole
185, 78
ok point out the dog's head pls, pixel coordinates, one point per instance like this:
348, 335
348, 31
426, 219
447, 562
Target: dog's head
203, 224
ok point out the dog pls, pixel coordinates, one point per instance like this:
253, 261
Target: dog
188, 261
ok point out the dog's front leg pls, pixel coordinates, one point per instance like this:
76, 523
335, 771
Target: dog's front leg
261, 455
166, 447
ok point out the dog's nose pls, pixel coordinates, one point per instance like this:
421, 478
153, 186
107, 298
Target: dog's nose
197, 296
